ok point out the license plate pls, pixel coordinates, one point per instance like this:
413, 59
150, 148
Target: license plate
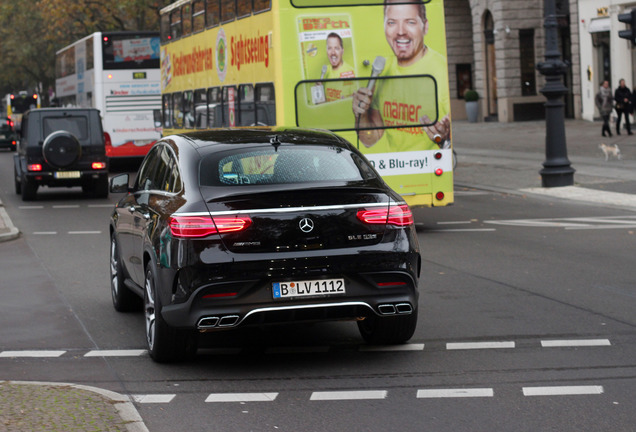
67, 174
323, 287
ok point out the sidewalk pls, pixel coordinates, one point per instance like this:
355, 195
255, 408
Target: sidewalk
491, 156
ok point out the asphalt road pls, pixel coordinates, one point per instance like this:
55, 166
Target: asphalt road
526, 324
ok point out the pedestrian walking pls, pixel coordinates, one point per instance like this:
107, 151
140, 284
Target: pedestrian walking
604, 103
623, 98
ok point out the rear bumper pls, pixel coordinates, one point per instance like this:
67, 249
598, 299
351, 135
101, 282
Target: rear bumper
253, 303
49, 178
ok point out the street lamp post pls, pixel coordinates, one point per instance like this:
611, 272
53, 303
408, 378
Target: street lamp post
556, 168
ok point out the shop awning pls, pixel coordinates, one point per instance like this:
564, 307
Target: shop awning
598, 25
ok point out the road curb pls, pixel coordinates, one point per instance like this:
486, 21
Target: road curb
7, 230
122, 403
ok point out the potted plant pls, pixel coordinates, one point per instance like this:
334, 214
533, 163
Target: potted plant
471, 97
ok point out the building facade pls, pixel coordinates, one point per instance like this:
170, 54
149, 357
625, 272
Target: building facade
604, 55
494, 47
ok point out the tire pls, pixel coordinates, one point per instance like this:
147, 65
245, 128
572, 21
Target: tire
165, 344
29, 189
124, 300
97, 188
388, 330
61, 149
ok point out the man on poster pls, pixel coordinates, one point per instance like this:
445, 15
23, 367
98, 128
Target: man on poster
394, 102
337, 69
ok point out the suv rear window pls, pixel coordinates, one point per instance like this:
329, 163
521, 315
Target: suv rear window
78, 126
287, 165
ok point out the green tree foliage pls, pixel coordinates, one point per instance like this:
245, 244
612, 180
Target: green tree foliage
31, 31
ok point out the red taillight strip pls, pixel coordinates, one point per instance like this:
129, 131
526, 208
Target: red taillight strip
398, 215
203, 226
220, 295
34, 167
383, 284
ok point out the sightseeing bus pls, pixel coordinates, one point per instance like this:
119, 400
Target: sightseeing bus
375, 74
117, 73
17, 103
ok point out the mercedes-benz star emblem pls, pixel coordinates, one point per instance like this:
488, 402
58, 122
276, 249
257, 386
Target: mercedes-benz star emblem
306, 225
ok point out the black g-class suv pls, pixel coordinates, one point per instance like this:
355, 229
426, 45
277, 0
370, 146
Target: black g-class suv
61, 147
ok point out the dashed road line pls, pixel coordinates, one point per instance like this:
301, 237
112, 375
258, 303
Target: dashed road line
116, 353
455, 393
575, 343
32, 354
84, 232
563, 390
153, 398
45, 233
241, 397
391, 348
348, 395
479, 345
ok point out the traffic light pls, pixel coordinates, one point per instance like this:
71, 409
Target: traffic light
628, 18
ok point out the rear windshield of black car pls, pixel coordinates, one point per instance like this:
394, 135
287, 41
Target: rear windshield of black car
78, 126
283, 165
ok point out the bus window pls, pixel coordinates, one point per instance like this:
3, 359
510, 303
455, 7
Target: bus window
177, 107
228, 10
229, 106
215, 117
247, 115
188, 109
200, 109
175, 24
265, 105
165, 28
244, 8
198, 16
212, 13
262, 5
167, 110
186, 19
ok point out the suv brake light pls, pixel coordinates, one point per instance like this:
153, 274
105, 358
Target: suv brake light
398, 215
34, 167
203, 226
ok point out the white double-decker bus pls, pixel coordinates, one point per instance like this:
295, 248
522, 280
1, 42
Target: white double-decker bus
117, 73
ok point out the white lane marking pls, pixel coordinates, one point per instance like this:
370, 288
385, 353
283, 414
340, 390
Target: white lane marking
67, 206
403, 347
349, 395
115, 353
101, 205
454, 222
562, 391
37, 354
241, 397
455, 393
479, 345
609, 222
84, 232
153, 398
464, 230
575, 343
297, 350
45, 233
35, 207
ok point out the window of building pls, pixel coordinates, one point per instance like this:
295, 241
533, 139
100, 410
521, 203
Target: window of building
526, 55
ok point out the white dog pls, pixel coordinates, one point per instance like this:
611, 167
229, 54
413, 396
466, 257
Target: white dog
611, 150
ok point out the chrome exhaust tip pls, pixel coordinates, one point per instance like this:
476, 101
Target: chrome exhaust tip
228, 320
386, 309
208, 322
404, 308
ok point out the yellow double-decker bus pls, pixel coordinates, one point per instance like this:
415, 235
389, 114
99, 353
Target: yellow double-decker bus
373, 71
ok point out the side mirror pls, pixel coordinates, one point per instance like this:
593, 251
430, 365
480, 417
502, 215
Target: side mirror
119, 184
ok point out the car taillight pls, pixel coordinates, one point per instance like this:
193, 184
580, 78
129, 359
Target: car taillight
203, 226
398, 215
98, 165
34, 167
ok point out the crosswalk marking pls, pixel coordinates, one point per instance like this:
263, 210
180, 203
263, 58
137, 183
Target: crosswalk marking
153, 398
